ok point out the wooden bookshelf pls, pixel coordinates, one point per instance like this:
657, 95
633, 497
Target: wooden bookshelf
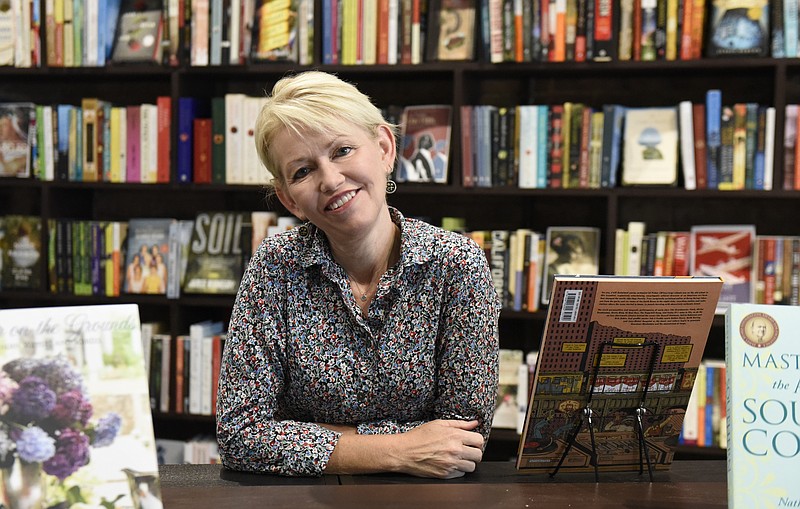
764, 80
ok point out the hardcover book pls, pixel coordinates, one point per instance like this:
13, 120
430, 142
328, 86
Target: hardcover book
451, 30
425, 149
763, 384
650, 154
17, 136
76, 422
619, 354
738, 28
215, 257
147, 257
725, 251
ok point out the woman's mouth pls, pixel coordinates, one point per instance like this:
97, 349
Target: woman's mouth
341, 201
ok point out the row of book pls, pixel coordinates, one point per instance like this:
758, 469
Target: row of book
704, 145
199, 450
233, 32
183, 369
161, 256
704, 423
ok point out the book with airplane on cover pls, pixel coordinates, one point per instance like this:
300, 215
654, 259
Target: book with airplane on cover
619, 354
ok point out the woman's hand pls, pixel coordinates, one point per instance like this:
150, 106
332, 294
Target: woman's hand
443, 449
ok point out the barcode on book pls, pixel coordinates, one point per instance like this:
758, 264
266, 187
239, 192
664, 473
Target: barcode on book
570, 306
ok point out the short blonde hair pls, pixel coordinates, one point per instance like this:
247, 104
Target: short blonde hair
313, 101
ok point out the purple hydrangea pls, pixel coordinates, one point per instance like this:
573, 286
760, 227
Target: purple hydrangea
33, 400
7, 388
106, 430
71, 407
35, 445
57, 372
72, 452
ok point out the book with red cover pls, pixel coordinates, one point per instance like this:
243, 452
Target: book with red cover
425, 149
164, 105
725, 251
202, 151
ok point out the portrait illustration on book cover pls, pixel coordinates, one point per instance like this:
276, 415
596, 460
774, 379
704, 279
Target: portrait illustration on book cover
147, 258
75, 422
16, 129
425, 144
763, 379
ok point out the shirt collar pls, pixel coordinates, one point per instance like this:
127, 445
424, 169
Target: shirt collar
416, 245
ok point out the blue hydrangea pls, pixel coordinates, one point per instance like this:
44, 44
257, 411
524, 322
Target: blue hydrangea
106, 430
35, 445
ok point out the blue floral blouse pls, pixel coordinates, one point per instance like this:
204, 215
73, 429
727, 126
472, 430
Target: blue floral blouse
300, 352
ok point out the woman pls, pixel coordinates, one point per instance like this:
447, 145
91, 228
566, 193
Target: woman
360, 341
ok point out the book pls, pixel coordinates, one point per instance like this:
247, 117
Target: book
88, 362
738, 29
17, 138
762, 383
276, 31
147, 255
725, 251
138, 33
425, 150
570, 250
506, 408
650, 154
215, 255
451, 29
614, 345
21, 253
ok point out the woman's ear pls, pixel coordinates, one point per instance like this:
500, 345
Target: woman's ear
387, 143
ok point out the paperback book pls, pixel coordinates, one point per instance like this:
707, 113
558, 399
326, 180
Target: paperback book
616, 366
725, 251
738, 28
147, 258
763, 380
21, 252
650, 155
75, 427
570, 250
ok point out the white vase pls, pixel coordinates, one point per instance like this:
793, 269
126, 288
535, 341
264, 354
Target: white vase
22, 486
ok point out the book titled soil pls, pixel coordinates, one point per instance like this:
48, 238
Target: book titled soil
215, 259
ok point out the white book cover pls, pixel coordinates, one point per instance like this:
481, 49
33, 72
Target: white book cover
650, 151
528, 116
394, 12
769, 149
235, 31
687, 145
636, 231
197, 332
49, 154
254, 171
76, 420
234, 138
763, 379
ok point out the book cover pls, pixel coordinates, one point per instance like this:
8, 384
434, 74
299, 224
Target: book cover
275, 31
147, 255
725, 251
215, 256
138, 35
738, 28
570, 250
620, 347
451, 30
425, 149
650, 154
21, 253
506, 409
17, 138
76, 421
763, 384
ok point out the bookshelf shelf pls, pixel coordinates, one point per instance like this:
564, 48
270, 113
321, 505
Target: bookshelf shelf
765, 80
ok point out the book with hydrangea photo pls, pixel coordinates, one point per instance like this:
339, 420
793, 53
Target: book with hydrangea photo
75, 423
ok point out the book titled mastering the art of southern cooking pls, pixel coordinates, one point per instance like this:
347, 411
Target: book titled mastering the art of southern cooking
620, 346
763, 377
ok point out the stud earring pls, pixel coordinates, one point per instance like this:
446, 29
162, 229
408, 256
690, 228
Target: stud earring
303, 230
391, 186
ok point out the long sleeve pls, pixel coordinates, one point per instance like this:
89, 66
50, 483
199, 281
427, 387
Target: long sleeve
250, 389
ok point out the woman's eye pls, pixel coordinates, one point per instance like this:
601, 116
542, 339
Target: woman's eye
343, 151
300, 173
